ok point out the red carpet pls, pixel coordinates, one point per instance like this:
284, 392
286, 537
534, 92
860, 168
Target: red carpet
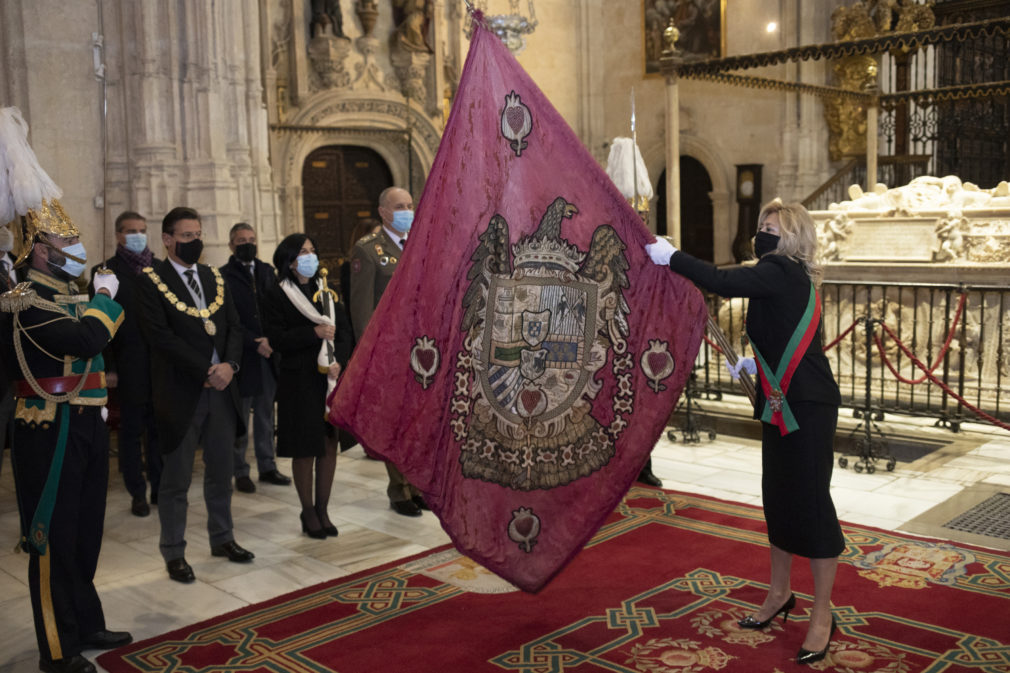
658, 590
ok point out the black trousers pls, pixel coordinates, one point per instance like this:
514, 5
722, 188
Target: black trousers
65, 604
136, 423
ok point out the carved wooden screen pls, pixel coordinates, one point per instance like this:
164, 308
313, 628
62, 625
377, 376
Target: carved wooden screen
340, 187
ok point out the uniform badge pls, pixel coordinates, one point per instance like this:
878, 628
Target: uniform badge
540, 327
355, 265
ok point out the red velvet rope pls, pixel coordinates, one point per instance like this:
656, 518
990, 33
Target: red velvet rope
929, 374
842, 335
939, 357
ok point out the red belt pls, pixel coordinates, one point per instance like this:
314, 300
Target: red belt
55, 385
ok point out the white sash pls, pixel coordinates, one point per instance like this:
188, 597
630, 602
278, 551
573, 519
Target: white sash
307, 309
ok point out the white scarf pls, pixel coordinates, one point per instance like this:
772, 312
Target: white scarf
307, 309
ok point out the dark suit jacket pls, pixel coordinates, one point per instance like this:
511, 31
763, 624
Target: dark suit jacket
248, 298
181, 349
779, 289
127, 354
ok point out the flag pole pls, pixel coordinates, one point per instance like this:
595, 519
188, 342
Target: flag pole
634, 153
731, 357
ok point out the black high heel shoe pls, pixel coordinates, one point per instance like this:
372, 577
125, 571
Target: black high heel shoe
808, 657
330, 529
316, 533
749, 622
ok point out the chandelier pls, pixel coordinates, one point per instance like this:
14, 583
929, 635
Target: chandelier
512, 28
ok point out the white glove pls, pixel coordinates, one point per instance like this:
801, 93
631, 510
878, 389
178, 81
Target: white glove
661, 251
746, 364
106, 281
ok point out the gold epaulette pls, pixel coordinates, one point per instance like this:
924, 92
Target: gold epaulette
17, 299
368, 237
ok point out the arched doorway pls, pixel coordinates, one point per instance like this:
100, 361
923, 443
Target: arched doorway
340, 187
696, 215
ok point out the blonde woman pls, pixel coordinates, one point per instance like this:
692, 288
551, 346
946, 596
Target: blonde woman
797, 403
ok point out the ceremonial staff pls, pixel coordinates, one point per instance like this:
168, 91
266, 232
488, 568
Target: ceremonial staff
327, 297
731, 357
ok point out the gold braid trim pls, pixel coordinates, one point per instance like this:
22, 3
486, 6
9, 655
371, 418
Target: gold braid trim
182, 306
21, 298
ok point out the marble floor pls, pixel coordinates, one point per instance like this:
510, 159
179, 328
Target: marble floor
917, 497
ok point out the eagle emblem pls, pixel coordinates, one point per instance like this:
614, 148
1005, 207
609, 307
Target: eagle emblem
541, 319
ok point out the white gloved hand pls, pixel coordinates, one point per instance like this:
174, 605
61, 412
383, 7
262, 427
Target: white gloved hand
746, 364
107, 282
661, 251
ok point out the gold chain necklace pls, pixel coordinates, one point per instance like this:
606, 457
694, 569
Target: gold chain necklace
203, 313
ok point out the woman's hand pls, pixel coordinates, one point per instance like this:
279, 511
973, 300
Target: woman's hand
334, 370
661, 251
325, 331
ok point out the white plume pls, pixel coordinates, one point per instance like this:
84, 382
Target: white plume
23, 182
624, 151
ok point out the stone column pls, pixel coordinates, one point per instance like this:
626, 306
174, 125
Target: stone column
668, 66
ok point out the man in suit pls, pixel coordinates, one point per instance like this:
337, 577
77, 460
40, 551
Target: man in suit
128, 366
53, 350
248, 279
373, 262
195, 338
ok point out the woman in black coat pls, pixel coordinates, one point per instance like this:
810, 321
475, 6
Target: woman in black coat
797, 402
294, 323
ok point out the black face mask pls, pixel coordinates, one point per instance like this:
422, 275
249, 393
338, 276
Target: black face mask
190, 251
245, 252
765, 243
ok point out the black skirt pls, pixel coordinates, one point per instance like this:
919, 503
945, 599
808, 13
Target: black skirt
796, 480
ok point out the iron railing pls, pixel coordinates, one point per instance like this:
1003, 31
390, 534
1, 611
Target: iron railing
965, 342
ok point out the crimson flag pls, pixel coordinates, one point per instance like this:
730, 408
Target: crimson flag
527, 354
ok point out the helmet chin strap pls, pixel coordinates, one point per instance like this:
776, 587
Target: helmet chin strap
62, 251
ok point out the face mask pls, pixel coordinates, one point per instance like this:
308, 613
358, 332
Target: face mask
245, 252
69, 267
6, 239
136, 243
307, 265
402, 219
190, 251
765, 243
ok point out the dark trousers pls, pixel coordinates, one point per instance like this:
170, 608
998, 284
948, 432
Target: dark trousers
262, 407
213, 428
398, 489
136, 424
66, 608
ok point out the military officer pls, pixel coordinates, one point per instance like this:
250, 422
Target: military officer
373, 262
53, 338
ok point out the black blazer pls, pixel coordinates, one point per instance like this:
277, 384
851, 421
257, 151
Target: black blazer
127, 354
248, 298
181, 349
779, 289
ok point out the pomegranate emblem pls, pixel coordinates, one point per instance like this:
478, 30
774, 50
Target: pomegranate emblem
657, 364
424, 360
524, 528
516, 122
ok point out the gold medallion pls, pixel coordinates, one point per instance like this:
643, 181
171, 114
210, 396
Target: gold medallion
210, 327
181, 305
162, 287
204, 313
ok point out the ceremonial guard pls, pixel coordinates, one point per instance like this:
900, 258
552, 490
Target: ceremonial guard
52, 340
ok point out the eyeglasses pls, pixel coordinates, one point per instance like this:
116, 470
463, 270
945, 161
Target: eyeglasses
188, 235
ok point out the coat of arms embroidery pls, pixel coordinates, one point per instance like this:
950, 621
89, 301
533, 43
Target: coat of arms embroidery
542, 318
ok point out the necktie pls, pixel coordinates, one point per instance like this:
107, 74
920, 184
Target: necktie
195, 286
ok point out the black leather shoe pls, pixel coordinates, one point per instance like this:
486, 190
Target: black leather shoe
180, 571
749, 622
649, 479
245, 484
74, 664
405, 507
140, 506
107, 640
275, 477
808, 657
421, 504
233, 551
